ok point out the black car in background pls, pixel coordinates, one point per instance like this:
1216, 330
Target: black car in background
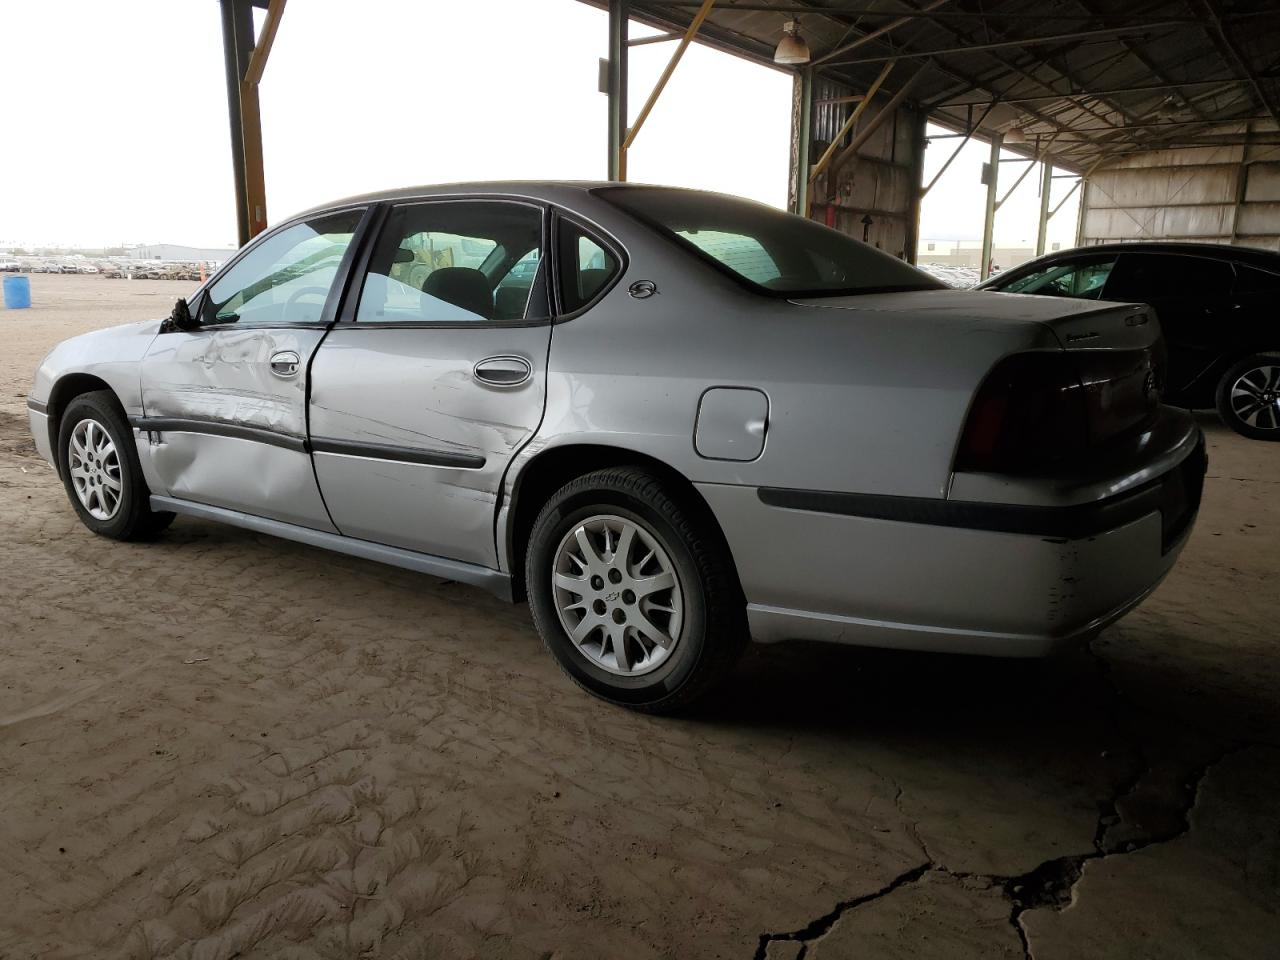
1219, 307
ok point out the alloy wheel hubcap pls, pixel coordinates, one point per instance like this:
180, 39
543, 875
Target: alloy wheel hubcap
94, 464
1255, 397
617, 595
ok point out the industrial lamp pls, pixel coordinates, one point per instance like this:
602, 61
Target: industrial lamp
791, 48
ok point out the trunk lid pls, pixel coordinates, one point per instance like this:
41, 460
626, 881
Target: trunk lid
1077, 324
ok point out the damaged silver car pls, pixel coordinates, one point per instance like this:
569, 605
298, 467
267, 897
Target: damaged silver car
672, 419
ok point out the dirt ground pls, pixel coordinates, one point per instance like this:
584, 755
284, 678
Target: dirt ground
222, 745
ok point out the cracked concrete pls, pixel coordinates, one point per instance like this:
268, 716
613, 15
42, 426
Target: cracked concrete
370, 762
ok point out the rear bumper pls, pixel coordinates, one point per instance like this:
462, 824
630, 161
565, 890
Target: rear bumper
994, 579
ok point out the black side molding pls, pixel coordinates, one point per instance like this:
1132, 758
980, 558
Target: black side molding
381, 451
220, 428
374, 451
1176, 495
37, 405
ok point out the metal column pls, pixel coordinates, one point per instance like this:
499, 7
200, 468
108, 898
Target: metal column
1042, 231
802, 135
989, 221
618, 12
237, 43
919, 129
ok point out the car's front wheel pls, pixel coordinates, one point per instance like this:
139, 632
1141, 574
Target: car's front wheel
1249, 397
633, 591
100, 470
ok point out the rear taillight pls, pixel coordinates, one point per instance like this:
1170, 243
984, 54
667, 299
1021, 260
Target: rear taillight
1037, 411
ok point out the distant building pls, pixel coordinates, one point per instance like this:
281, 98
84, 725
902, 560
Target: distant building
173, 251
968, 253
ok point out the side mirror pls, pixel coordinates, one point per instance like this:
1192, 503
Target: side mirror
180, 318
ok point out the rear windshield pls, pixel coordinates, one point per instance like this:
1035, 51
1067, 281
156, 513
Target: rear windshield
772, 252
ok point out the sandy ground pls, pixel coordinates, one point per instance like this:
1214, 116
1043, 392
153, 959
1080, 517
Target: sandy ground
224, 745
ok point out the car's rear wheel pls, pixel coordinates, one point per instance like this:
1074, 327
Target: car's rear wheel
1249, 397
101, 472
633, 591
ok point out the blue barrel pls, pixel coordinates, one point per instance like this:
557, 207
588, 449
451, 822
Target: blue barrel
17, 292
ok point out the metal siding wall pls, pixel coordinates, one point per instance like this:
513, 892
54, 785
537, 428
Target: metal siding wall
877, 182
1189, 194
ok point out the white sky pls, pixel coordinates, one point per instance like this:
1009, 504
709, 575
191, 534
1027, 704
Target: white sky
953, 209
116, 115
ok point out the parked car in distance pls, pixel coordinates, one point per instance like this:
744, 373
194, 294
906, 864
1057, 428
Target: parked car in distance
8, 265
1218, 305
706, 420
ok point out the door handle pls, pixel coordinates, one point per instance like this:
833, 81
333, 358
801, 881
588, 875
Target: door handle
503, 371
285, 364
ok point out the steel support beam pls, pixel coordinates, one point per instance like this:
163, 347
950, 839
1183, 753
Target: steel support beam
656, 38
618, 47
1003, 44
876, 33
251, 121
1067, 196
1242, 184
1040, 155
802, 136
989, 219
834, 145
658, 87
955, 153
917, 178
884, 113
1112, 91
834, 10
237, 42
1231, 54
1042, 230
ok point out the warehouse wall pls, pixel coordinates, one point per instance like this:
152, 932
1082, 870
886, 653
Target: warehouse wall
881, 181
1217, 194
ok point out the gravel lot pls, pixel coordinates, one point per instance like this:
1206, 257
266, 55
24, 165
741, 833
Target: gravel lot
223, 745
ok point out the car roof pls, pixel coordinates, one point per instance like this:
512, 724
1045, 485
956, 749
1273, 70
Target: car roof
1215, 251
560, 191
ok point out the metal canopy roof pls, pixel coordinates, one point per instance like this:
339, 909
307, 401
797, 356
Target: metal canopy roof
1084, 80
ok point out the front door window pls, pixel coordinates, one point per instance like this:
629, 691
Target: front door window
285, 278
1081, 280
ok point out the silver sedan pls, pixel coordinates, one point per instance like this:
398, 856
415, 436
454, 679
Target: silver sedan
672, 420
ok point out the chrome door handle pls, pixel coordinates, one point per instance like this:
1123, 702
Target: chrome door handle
503, 371
285, 364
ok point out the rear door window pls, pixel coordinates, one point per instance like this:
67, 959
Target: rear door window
1254, 280
1147, 277
455, 261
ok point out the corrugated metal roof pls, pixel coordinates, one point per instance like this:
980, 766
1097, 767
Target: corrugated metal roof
1107, 77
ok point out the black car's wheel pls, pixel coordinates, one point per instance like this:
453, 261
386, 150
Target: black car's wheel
99, 466
1249, 397
633, 591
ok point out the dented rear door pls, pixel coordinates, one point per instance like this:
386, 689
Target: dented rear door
435, 376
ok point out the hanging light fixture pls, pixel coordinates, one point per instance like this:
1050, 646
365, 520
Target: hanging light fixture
1015, 134
791, 48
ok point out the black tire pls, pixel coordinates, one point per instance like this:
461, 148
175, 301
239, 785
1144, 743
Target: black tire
1267, 421
714, 630
133, 518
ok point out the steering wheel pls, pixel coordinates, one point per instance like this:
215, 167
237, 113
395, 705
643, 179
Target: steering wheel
305, 291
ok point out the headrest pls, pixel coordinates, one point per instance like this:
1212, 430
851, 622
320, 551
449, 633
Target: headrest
464, 287
509, 302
